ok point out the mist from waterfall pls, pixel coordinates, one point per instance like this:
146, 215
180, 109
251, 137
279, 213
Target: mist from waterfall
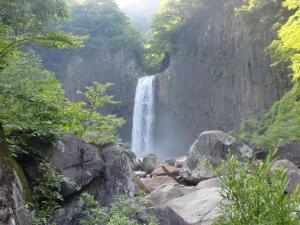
143, 116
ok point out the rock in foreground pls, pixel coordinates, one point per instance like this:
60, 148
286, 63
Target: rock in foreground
213, 146
200, 207
293, 173
150, 184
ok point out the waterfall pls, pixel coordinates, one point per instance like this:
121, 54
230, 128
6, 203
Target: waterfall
143, 116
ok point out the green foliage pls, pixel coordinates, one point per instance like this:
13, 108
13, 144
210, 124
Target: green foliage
269, 13
30, 100
106, 25
284, 17
122, 212
252, 196
27, 22
46, 193
287, 47
33, 105
96, 127
280, 124
167, 22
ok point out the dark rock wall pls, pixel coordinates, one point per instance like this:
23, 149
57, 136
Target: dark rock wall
219, 76
80, 68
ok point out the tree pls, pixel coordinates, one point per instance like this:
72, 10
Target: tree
33, 105
287, 47
106, 25
28, 23
252, 196
167, 22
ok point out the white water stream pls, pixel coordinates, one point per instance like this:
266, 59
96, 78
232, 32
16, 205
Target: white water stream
143, 116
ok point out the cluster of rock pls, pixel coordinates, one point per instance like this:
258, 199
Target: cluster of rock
180, 191
104, 172
184, 191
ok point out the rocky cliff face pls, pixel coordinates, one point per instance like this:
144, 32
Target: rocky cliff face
14, 189
218, 77
80, 68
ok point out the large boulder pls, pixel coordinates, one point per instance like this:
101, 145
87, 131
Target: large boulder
79, 161
200, 207
150, 184
167, 192
290, 151
14, 190
117, 177
150, 162
293, 173
212, 147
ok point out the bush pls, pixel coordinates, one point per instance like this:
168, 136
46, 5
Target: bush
33, 105
252, 196
123, 212
281, 123
46, 193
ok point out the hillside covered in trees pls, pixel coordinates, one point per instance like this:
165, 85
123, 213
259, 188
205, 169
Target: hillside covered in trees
171, 112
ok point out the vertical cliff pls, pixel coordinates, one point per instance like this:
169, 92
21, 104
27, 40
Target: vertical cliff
219, 75
80, 68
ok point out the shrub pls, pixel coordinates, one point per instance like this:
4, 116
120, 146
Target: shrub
252, 196
33, 104
123, 212
46, 193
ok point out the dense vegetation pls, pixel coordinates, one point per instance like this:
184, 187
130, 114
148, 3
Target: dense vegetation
281, 123
165, 27
253, 193
32, 101
108, 29
124, 211
33, 105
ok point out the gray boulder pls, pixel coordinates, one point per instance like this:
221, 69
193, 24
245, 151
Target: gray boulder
78, 161
212, 147
71, 213
150, 162
117, 177
290, 151
293, 173
200, 207
167, 192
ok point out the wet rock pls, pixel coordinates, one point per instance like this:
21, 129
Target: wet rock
166, 170
150, 162
117, 177
150, 184
290, 151
77, 160
293, 173
212, 147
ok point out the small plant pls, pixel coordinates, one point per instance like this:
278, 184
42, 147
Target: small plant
123, 212
46, 193
252, 196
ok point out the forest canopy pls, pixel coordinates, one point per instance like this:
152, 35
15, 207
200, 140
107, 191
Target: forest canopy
33, 103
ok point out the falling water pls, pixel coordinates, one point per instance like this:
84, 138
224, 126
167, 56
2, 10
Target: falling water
143, 116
